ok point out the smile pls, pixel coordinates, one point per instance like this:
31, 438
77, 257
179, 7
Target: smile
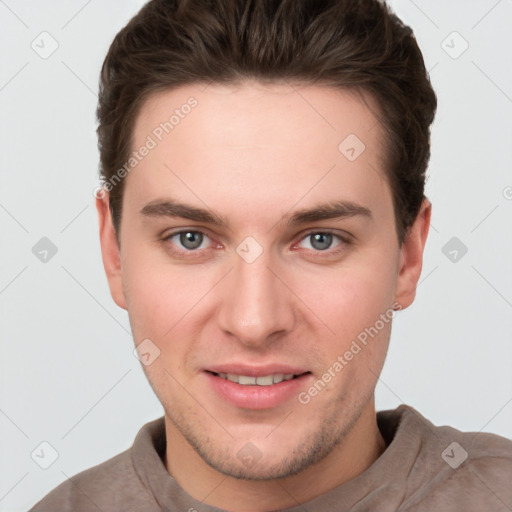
264, 380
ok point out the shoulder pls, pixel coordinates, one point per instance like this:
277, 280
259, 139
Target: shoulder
115, 484
458, 470
96, 487
479, 469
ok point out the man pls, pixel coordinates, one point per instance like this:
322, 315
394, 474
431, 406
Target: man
262, 218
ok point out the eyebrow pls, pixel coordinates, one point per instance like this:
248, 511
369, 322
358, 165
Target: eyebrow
330, 210
170, 208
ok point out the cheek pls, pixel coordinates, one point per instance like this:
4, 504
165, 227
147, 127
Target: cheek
357, 308
352, 299
161, 297
150, 296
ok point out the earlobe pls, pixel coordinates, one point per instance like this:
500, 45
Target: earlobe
411, 256
110, 250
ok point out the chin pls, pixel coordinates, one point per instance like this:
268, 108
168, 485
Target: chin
261, 458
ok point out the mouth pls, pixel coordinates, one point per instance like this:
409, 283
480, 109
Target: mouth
257, 388
263, 380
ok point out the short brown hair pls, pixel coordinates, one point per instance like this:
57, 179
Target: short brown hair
357, 44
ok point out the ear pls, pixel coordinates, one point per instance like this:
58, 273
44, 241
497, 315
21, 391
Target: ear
411, 256
110, 250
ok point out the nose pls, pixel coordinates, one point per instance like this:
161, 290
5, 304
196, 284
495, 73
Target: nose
256, 309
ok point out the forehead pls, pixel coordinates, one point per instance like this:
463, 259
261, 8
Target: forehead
262, 111
256, 145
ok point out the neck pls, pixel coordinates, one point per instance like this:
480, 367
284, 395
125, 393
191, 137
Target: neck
352, 456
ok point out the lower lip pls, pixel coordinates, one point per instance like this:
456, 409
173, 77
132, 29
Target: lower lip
257, 397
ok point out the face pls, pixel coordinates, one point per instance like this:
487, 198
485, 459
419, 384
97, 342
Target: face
259, 257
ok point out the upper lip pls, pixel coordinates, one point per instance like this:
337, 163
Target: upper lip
256, 371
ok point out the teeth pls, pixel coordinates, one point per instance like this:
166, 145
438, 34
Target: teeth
266, 380
246, 381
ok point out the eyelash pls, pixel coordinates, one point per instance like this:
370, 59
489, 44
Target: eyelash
343, 242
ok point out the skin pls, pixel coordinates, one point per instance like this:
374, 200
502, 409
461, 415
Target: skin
256, 154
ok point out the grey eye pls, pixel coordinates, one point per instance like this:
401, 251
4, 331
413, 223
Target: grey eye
321, 241
191, 239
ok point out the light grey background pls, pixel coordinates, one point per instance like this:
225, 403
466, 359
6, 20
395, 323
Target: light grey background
69, 377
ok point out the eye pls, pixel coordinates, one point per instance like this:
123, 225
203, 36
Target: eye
189, 240
320, 241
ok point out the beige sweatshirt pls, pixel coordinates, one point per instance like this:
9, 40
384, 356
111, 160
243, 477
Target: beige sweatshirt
424, 468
